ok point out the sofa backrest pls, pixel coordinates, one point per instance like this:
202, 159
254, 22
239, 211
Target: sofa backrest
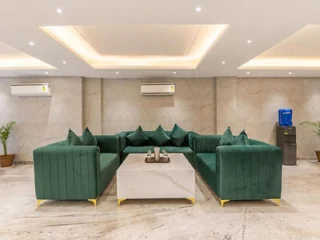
151, 143
206, 143
108, 143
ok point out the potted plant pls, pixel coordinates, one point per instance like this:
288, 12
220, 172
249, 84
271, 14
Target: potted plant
6, 160
316, 131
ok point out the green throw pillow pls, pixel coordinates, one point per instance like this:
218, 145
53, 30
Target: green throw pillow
178, 135
73, 139
226, 138
138, 137
241, 139
160, 137
88, 138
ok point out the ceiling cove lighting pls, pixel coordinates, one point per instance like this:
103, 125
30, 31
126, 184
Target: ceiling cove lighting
69, 37
281, 63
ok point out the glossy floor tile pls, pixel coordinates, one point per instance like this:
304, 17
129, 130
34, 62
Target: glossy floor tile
298, 217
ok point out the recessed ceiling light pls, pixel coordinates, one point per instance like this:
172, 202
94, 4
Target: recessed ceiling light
59, 10
47, 73
31, 43
290, 73
248, 73
64, 62
174, 72
223, 62
117, 72
198, 9
249, 41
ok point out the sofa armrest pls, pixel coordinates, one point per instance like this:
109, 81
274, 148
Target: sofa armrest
123, 140
109, 143
249, 172
67, 172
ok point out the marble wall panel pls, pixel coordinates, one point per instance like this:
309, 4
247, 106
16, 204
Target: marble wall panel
253, 103
92, 103
40, 120
192, 106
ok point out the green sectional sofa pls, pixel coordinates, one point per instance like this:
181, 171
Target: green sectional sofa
126, 147
75, 172
247, 172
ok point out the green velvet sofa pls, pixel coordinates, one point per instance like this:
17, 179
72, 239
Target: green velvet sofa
126, 146
75, 172
241, 172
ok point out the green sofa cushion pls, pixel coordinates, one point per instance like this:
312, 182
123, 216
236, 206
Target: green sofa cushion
138, 149
73, 139
226, 138
138, 137
207, 167
88, 139
160, 137
178, 135
170, 149
241, 139
109, 163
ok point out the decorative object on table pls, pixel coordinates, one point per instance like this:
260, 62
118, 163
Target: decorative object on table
162, 159
6, 160
316, 127
286, 140
157, 154
285, 117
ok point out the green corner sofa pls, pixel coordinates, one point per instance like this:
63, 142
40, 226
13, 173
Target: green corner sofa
126, 147
242, 172
75, 172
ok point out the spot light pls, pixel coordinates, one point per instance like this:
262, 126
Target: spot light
59, 10
198, 9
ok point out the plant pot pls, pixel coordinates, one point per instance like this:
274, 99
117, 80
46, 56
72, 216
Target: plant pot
318, 155
6, 161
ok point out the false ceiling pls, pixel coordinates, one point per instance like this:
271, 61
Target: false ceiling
160, 39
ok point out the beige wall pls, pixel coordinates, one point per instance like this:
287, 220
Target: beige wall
253, 103
192, 106
40, 120
92, 105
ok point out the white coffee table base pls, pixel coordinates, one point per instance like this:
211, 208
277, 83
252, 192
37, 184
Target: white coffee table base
139, 180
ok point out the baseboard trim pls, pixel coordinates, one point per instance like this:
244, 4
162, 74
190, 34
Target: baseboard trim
23, 162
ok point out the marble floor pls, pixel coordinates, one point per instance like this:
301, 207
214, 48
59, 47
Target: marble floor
298, 217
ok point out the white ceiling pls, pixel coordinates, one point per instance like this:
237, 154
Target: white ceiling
137, 40
266, 23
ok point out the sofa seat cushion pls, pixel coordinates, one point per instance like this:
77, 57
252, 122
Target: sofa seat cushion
207, 166
170, 149
107, 159
139, 149
109, 163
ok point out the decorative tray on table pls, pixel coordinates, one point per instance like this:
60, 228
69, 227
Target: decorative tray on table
153, 160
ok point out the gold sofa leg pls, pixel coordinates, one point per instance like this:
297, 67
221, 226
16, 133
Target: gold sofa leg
39, 201
222, 202
192, 200
94, 201
121, 200
276, 201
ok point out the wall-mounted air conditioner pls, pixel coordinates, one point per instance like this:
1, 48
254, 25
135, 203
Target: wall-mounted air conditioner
31, 89
157, 89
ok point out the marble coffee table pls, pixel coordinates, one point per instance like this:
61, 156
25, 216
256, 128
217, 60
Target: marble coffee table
139, 180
